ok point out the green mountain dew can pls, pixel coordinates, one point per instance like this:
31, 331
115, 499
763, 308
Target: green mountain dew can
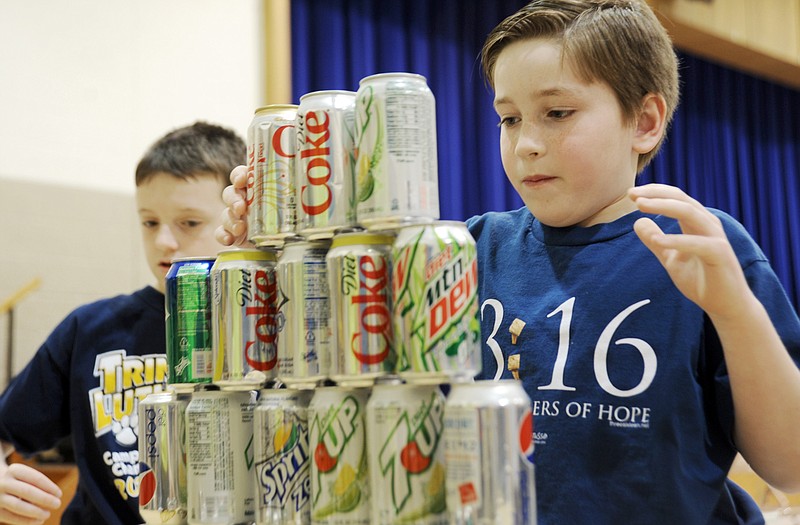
435, 303
337, 440
406, 457
397, 176
187, 301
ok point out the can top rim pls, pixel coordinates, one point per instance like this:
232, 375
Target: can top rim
193, 259
394, 74
270, 108
351, 238
246, 254
327, 92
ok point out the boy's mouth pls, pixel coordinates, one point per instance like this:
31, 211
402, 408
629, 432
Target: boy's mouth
536, 180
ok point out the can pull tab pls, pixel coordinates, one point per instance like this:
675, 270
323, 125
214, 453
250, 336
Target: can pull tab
513, 365
516, 328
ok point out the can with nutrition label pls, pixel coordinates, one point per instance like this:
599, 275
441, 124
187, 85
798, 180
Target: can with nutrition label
304, 334
406, 457
244, 292
397, 177
270, 198
324, 165
219, 461
281, 455
188, 320
359, 269
162, 458
435, 303
488, 450
337, 440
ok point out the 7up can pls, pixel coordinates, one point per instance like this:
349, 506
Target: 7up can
280, 433
396, 166
406, 457
337, 437
488, 449
435, 303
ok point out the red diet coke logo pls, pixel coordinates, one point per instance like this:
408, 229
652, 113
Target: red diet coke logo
261, 354
315, 154
375, 318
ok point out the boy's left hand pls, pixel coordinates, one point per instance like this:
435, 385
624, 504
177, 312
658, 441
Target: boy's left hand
700, 261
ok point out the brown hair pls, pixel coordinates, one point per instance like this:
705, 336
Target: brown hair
187, 152
619, 42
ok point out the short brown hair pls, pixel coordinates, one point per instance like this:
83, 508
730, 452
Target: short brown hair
619, 42
186, 152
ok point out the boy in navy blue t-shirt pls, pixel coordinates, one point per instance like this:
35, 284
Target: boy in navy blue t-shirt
87, 378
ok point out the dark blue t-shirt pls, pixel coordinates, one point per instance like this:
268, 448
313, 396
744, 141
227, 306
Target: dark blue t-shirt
86, 382
632, 408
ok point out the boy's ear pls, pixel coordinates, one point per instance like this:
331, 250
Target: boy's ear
650, 123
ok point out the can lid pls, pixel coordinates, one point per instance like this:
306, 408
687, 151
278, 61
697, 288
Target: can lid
245, 254
394, 74
349, 239
389, 379
274, 108
210, 259
327, 92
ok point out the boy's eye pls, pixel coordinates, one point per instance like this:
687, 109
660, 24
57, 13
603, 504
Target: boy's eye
149, 224
559, 114
191, 223
507, 121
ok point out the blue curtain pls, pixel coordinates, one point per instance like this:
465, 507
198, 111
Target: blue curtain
734, 143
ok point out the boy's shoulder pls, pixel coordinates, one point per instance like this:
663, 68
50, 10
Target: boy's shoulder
499, 221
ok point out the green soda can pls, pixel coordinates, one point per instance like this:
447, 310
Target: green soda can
188, 320
435, 303
337, 441
406, 457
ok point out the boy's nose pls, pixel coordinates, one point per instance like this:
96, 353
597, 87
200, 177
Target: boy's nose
529, 141
165, 238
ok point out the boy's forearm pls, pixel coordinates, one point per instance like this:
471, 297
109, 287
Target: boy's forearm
765, 385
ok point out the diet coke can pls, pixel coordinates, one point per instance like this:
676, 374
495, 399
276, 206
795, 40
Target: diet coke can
162, 458
337, 437
281, 454
304, 334
488, 450
270, 198
219, 459
244, 291
324, 166
359, 269
435, 303
397, 177
406, 457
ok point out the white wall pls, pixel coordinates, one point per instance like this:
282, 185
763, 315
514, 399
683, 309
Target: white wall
85, 87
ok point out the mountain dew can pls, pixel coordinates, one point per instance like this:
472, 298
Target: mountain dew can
337, 439
435, 303
406, 456
396, 165
280, 433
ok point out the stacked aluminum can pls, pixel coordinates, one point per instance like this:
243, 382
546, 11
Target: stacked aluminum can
313, 390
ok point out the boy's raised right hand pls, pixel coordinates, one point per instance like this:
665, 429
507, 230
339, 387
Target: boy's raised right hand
26, 495
233, 230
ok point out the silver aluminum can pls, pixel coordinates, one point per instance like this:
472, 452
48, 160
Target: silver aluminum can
435, 303
162, 458
337, 441
406, 457
397, 178
219, 461
488, 449
270, 198
282, 459
324, 163
359, 273
304, 334
244, 292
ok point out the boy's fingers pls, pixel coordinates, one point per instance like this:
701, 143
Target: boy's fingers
38, 482
239, 177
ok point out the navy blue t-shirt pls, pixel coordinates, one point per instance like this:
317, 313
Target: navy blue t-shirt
632, 407
86, 382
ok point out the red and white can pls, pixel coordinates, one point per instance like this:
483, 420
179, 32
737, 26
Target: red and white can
406, 457
435, 303
397, 178
359, 273
324, 165
244, 291
488, 450
337, 440
270, 199
304, 334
